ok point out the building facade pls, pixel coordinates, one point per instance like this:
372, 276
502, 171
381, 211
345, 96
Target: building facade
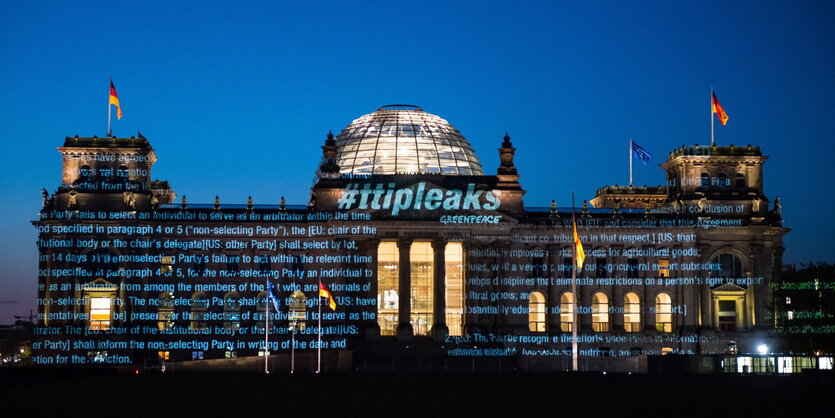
402, 214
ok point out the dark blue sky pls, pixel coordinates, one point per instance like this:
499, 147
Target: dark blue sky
237, 100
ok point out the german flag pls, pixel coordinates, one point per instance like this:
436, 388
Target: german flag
324, 292
578, 248
114, 100
720, 112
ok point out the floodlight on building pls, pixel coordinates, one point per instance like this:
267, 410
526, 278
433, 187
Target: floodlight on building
762, 349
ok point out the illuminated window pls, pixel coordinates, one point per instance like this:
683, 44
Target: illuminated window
422, 259
199, 309
727, 315
600, 312
454, 256
536, 312
790, 315
666, 350
165, 311
232, 311
100, 313
784, 364
165, 355
387, 287
788, 300
663, 267
663, 313
566, 311
631, 313
743, 365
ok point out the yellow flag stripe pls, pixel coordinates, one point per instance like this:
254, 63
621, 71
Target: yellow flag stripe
578, 248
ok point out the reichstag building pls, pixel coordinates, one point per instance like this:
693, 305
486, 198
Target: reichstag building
427, 253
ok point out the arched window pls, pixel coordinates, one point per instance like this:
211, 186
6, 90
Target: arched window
84, 173
566, 311
388, 273
705, 180
600, 312
723, 181
740, 181
122, 172
663, 313
199, 308
232, 311
729, 266
536, 312
165, 311
103, 172
631, 313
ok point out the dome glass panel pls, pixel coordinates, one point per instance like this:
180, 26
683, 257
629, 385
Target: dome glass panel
404, 139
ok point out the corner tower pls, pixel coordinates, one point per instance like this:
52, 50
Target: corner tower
107, 174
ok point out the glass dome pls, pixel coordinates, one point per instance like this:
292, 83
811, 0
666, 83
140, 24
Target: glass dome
404, 139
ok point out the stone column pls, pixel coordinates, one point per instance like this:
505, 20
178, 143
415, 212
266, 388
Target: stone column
705, 296
404, 311
370, 247
777, 278
754, 306
439, 327
583, 299
553, 302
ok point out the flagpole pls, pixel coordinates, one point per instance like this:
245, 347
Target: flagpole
574, 348
293, 347
630, 162
319, 348
294, 323
712, 143
267, 330
108, 109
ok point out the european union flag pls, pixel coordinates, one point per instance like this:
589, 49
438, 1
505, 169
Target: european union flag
641, 153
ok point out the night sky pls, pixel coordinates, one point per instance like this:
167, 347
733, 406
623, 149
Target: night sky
237, 100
